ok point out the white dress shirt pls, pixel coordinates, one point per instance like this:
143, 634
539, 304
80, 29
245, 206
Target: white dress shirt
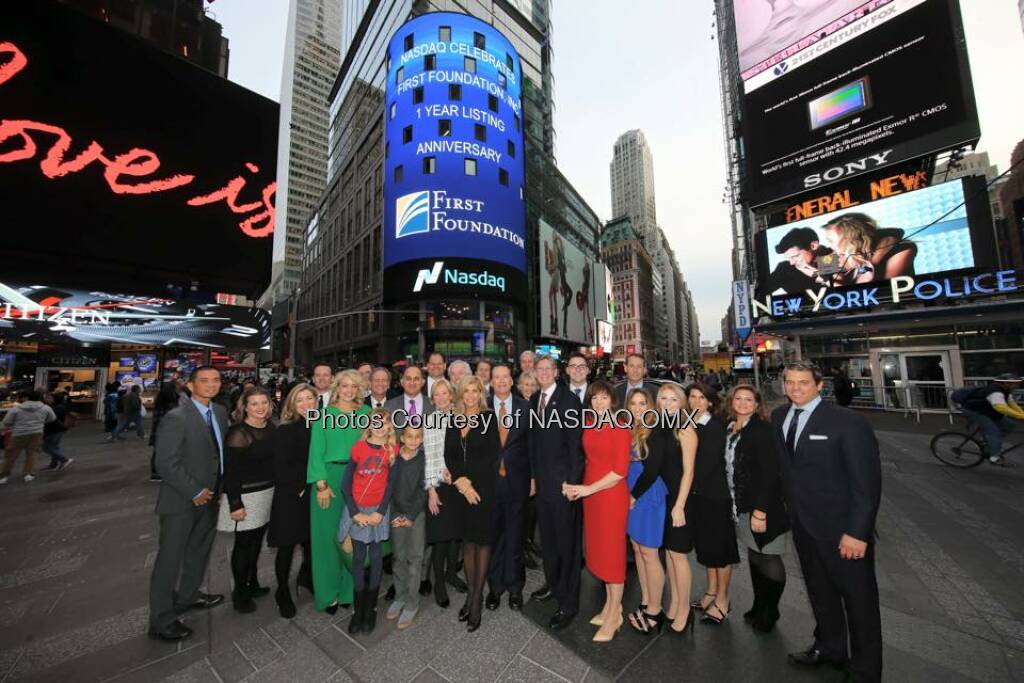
417, 400
377, 402
581, 388
807, 408
546, 394
323, 399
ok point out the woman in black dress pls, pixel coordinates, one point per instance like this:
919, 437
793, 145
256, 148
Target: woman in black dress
762, 524
471, 456
248, 492
289, 515
676, 448
714, 535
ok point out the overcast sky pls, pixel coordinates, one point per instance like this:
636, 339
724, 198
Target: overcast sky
654, 66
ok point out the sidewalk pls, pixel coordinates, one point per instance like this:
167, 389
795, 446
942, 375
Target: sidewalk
77, 547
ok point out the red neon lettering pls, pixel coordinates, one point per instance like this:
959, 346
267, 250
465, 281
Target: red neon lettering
137, 162
15, 64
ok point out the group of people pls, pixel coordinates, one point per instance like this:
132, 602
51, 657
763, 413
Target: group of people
459, 464
36, 424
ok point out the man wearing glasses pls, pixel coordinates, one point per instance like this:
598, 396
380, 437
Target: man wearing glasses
578, 370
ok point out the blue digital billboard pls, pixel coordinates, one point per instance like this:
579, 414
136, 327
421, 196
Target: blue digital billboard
453, 170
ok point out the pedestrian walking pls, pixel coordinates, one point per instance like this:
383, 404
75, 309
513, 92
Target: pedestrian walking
190, 460
130, 413
53, 431
26, 422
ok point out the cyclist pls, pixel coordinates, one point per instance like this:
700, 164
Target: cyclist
989, 406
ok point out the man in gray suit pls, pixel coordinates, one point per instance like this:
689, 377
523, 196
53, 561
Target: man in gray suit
189, 458
412, 400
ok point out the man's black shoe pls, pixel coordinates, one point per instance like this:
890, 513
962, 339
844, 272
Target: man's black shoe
515, 602
206, 601
814, 657
425, 587
560, 620
458, 584
175, 632
542, 594
493, 601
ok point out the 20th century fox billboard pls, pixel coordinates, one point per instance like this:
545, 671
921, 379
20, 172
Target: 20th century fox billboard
835, 89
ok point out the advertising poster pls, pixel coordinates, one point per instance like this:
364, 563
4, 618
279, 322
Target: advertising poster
454, 217
122, 163
896, 92
567, 290
52, 314
605, 335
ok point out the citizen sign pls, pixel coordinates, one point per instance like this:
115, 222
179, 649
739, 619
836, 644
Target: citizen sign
854, 167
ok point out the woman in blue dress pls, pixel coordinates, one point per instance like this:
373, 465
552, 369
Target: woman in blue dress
646, 522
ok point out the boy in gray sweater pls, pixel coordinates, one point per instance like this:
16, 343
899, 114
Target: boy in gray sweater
408, 525
26, 422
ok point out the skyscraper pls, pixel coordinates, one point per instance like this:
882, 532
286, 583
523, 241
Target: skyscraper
632, 175
312, 57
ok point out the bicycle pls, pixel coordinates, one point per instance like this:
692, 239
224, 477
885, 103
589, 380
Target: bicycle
964, 449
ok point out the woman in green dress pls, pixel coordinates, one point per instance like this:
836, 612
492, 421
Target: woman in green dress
329, 446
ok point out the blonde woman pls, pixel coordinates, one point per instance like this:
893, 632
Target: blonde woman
678, 451
289, 516
646, 522
443, 532
527, 384
868, 253
330, 446
471, 457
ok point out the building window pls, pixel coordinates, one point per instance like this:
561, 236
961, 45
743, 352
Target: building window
417, 95
408, 42
394, 108
444, 128
502, 82
454, 92
430, 62
492, 103
480, 132
512, 149
444, 33
398, 173
509, 63
429, 165
516, 120
479, 41
470, 65
503, 176
470, 166
399, 75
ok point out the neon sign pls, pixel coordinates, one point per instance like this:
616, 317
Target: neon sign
118, 170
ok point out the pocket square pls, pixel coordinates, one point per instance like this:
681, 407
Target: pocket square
817, 437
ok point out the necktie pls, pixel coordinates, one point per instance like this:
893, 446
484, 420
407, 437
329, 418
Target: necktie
543, 403
579, 393
320, 402
412, 408
213, 435
502, 435
791, 432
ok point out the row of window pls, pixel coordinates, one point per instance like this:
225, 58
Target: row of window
444, 35
469, 167
444, 130
454, 95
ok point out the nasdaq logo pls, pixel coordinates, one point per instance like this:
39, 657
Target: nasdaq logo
412, 214
782, 68
428, 276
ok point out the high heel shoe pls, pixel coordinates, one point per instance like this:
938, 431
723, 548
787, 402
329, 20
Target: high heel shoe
597, 620
606, 637
715, 618
285, 605
332, 609
699, 604
643, 622
690, 618
464, 611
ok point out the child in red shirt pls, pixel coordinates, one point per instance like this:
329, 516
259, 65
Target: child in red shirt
366, 488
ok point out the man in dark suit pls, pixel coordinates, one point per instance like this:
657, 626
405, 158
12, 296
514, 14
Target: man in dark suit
380, 388
508, 562
832, 480
636, 370
437, 363
556, 458
190, 460
411, 401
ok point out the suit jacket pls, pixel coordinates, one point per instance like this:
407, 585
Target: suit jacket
387, 397
516, 451
652, 393
398, 403
833, 482
556, 454
186, 457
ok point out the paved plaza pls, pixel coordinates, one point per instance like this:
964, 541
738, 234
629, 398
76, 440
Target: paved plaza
77, 547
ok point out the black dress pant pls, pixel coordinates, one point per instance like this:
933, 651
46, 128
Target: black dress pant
181, 559
560, 532
844, 595
508, 563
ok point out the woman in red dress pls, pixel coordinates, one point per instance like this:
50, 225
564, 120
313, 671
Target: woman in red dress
605, 503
